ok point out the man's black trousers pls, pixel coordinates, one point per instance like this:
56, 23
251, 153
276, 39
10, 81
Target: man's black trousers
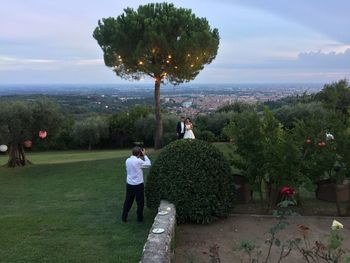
133, 191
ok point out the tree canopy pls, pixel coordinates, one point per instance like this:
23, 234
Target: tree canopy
336, 96
20, 121
160, 41
90, 131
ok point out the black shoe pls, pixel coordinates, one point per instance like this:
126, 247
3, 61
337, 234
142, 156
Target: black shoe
140, 220
124, 220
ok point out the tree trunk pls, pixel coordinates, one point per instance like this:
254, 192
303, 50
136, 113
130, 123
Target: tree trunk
159, 124
17, 156
272, 195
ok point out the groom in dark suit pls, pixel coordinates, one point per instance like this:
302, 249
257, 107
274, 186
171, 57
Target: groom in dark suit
181, 128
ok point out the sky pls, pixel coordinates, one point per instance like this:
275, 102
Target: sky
261, 41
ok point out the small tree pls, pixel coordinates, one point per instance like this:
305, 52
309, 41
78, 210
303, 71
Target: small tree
90, 131
144, 129
336, 97
269, 157
122, 125
160, 41
20, 121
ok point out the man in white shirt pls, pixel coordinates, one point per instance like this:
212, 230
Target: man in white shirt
134, 182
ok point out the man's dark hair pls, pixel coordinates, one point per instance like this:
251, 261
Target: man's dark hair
136, 150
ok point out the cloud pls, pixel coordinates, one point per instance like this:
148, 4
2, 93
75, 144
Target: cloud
90, 62
304, 60
269, 75
13, 63
319, 59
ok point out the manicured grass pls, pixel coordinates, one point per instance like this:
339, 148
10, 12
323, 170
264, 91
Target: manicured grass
67, 209
68, 156
229, 151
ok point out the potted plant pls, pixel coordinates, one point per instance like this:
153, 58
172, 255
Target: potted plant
324, 166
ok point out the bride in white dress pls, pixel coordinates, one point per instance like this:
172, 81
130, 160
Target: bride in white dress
188, 132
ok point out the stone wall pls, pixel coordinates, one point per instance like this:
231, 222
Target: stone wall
159, 247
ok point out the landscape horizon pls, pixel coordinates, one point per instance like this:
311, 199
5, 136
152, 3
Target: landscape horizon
227, 121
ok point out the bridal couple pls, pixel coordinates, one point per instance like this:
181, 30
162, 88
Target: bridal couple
184, 129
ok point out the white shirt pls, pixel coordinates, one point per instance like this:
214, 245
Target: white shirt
134, 166
182, 127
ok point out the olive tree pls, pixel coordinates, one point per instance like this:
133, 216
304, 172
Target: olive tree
90, 131
158, 40
20, 121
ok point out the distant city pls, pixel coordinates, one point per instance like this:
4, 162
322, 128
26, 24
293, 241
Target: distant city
187, 99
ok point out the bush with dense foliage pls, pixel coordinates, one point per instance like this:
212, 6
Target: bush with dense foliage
288, 114
145, 128
214, 122
269, 156
122, 125
207, 136
237, 106
90, 131
196, 177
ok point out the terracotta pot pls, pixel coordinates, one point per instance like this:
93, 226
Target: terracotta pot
330, 191
242, 188
342, 192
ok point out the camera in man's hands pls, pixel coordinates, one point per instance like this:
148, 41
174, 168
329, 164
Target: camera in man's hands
142, 150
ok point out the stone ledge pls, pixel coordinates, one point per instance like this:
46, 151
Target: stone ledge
158, 247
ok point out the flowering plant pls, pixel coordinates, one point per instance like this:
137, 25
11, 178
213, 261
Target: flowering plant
287, 191
331, 251
336, 225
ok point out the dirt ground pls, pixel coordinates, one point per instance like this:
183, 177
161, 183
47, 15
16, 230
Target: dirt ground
195, 242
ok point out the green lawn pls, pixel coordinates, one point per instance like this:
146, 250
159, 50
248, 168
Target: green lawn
69, 156
66, 208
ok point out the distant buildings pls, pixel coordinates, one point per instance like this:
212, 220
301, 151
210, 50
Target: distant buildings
187, 104
194, 104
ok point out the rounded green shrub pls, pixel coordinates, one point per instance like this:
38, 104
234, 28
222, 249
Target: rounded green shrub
195, 177
207, 136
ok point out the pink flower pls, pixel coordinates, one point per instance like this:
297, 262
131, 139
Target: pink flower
287, 191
